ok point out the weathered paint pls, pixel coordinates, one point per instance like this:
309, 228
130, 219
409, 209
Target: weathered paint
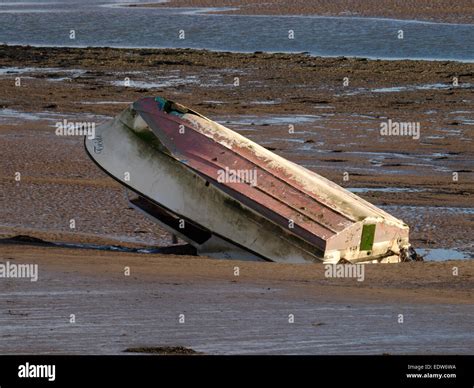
328, 222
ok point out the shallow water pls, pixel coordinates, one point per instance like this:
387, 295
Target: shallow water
27, 70
13, 116
411, 88
423, 209
420, 87
104, 24
159, 82
441, 254
384, 189
266, 120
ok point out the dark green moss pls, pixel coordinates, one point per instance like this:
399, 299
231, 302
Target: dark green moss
151, 139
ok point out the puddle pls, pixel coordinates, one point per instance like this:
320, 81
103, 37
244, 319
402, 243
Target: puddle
410, 88
424, 209
7, 115
464, 120
384, 189
436, 86
159, 82
269, 102
408, 159
365, 116
450, 132
45, 70
104, 102
440, 254
289, 140
214, 102
269, 120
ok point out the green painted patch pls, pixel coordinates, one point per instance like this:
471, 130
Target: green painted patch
367, 239
162, 102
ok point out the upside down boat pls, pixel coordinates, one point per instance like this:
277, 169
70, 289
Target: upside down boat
231, 198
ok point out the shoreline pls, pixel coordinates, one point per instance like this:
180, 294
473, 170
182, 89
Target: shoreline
304, 53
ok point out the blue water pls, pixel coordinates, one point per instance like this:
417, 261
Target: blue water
440, 254
105, 23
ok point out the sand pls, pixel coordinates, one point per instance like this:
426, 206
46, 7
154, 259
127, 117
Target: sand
228, 314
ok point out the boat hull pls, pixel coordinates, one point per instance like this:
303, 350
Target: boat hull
173, 158
161, 179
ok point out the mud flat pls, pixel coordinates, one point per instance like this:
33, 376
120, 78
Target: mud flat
336, 132
440, 10
228, 314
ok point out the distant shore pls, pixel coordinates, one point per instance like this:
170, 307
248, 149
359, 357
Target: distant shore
461, 11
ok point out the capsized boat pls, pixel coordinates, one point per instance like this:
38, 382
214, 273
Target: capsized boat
232, 198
